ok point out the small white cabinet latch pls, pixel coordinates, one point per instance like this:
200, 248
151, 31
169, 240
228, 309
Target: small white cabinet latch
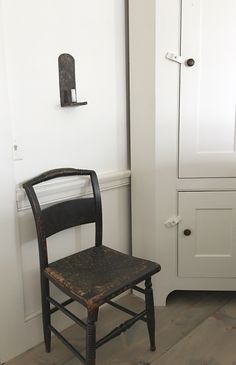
173, 221
174, 57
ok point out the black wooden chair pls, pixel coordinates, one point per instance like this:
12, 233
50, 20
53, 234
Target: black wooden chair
91, 277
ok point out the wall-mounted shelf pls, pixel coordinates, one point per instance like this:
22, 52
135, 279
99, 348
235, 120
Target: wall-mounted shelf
68, 93
76, 104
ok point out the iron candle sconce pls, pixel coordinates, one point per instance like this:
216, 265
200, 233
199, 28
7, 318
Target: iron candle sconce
68, 95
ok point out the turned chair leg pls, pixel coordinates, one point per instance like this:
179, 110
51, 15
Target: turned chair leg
91, 338
46, 314
150, 313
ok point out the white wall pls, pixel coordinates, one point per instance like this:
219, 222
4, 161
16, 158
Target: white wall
33, 35
9, 271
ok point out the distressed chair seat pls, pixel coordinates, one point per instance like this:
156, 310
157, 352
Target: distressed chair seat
97, 274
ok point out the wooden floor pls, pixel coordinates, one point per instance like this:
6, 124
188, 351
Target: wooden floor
196, 328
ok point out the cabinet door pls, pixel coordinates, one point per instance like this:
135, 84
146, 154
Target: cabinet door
208, 248
208, 89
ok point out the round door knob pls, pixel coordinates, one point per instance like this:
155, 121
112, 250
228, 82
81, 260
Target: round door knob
187, 232
190, 62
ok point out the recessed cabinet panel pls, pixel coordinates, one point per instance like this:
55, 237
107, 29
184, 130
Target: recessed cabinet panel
208, 89
207, 234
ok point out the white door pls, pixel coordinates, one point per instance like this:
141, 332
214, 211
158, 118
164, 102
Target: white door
208, 89
207, 234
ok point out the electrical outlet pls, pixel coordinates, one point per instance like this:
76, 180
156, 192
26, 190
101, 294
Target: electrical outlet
18, 150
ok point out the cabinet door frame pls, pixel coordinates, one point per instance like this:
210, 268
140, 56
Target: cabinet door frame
210, 249
207, 128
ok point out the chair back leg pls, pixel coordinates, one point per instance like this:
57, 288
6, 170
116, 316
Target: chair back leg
150, 313
91, 338
46, 313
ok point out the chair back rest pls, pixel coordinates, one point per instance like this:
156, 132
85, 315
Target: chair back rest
66, 214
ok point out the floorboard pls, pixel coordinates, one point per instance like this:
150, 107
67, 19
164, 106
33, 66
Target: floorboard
195, 328
213, 342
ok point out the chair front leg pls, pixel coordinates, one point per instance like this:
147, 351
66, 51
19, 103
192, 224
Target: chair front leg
46, 313
91, 337
150, 313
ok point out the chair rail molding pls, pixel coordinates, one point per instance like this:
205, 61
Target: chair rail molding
51, 192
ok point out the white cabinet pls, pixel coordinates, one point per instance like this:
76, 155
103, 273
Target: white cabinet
183, 133
207, 234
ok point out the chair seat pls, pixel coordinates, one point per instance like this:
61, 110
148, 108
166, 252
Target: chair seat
97, 274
